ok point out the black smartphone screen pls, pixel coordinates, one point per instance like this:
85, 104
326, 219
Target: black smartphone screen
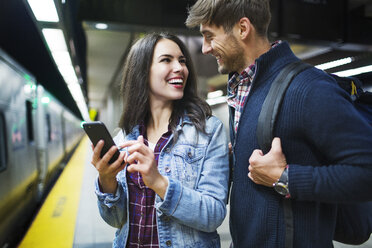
97, 131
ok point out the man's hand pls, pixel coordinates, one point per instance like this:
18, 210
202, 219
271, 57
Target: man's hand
267, 169
230, 148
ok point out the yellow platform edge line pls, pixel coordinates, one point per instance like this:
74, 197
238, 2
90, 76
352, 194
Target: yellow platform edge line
54, 225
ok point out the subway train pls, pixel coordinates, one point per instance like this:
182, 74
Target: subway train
37, 134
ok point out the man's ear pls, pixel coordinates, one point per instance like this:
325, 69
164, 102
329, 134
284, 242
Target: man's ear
245, 28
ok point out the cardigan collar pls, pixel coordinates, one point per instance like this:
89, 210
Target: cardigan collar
274, 60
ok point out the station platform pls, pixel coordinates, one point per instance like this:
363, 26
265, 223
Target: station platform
69, 216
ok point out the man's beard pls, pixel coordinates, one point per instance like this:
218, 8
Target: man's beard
235, 60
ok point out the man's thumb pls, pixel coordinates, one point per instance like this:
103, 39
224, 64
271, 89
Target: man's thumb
276, 145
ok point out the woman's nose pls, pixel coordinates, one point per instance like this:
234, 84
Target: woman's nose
177, 66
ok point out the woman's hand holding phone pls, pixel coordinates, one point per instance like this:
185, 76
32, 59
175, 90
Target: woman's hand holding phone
107, 172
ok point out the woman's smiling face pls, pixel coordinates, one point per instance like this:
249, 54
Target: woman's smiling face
168, 72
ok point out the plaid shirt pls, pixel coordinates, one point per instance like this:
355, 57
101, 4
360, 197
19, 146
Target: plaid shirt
143, 231
238, 89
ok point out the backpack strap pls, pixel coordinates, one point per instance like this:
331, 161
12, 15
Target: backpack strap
265, 129
272, 103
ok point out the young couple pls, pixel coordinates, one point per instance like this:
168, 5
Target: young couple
172, 189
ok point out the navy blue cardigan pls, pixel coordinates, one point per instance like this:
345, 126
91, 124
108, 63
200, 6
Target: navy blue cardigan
328, 147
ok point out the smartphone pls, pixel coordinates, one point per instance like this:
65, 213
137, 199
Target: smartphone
96, 131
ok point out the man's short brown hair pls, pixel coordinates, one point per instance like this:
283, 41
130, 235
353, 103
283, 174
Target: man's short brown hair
227, 13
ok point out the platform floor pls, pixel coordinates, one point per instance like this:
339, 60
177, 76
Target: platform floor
70, 218
90, 230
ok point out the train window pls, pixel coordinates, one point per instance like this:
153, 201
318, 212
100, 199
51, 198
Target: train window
49, 128
3, 153
30, 124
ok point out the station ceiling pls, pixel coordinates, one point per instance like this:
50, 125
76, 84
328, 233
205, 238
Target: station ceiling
318, 31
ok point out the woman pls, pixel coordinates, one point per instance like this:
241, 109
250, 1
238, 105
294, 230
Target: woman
173, 190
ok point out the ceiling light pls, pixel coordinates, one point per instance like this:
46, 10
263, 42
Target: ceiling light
77, 94
68, 74
101, 26
335, 63
57, 46
75, 91
215, 94
56, 42
55, 39
355, 71
44, 10
61, 58
217, 100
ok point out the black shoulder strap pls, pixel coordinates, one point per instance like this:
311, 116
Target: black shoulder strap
265, 129
272, 103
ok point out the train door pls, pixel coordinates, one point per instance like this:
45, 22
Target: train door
3, 150
50, 145
41, 140
64, 134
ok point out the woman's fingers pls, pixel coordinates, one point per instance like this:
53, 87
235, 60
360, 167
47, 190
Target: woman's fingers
119, 164
106, 158
97, 152
140, 139
128, 143
137, 157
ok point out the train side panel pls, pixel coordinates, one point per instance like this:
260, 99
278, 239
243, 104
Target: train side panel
18, 175
37, 133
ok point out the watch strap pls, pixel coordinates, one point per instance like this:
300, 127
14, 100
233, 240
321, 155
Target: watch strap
282, 183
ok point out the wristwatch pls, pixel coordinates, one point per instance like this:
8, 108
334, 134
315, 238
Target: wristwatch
281, 186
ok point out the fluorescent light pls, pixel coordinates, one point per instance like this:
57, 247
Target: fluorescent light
55, 39
58, 48
75, 90
101, 26
44, 10
61, 58
217, 100
355, 71
215, 94
68, 74
335, 63
77, 94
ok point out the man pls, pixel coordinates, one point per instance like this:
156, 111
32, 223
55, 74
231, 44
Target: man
324, 154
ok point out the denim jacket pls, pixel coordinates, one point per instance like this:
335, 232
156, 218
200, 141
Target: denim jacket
195, 201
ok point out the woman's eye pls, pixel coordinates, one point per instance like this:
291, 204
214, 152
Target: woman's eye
165, 60
183, 61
